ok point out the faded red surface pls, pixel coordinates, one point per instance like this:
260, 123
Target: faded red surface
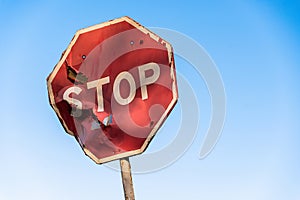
107, 52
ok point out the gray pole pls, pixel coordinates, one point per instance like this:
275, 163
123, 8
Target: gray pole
127, 179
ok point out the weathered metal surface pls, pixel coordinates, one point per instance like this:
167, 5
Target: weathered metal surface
127, 179
113, 88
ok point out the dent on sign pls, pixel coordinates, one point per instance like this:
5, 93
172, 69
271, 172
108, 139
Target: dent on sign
113, 88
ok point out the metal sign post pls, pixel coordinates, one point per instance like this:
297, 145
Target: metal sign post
127, 178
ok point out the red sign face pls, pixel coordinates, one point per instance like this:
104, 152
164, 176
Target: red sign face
113, 88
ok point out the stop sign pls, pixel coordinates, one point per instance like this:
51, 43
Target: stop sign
113, 88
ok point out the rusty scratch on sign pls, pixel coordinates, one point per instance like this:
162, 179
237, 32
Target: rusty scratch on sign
75, 76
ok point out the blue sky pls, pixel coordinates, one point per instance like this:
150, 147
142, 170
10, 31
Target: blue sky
255, 45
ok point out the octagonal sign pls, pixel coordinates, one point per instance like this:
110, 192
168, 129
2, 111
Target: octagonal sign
113, 88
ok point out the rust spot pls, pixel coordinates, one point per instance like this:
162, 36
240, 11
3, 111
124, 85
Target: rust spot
151, 123
75, 76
